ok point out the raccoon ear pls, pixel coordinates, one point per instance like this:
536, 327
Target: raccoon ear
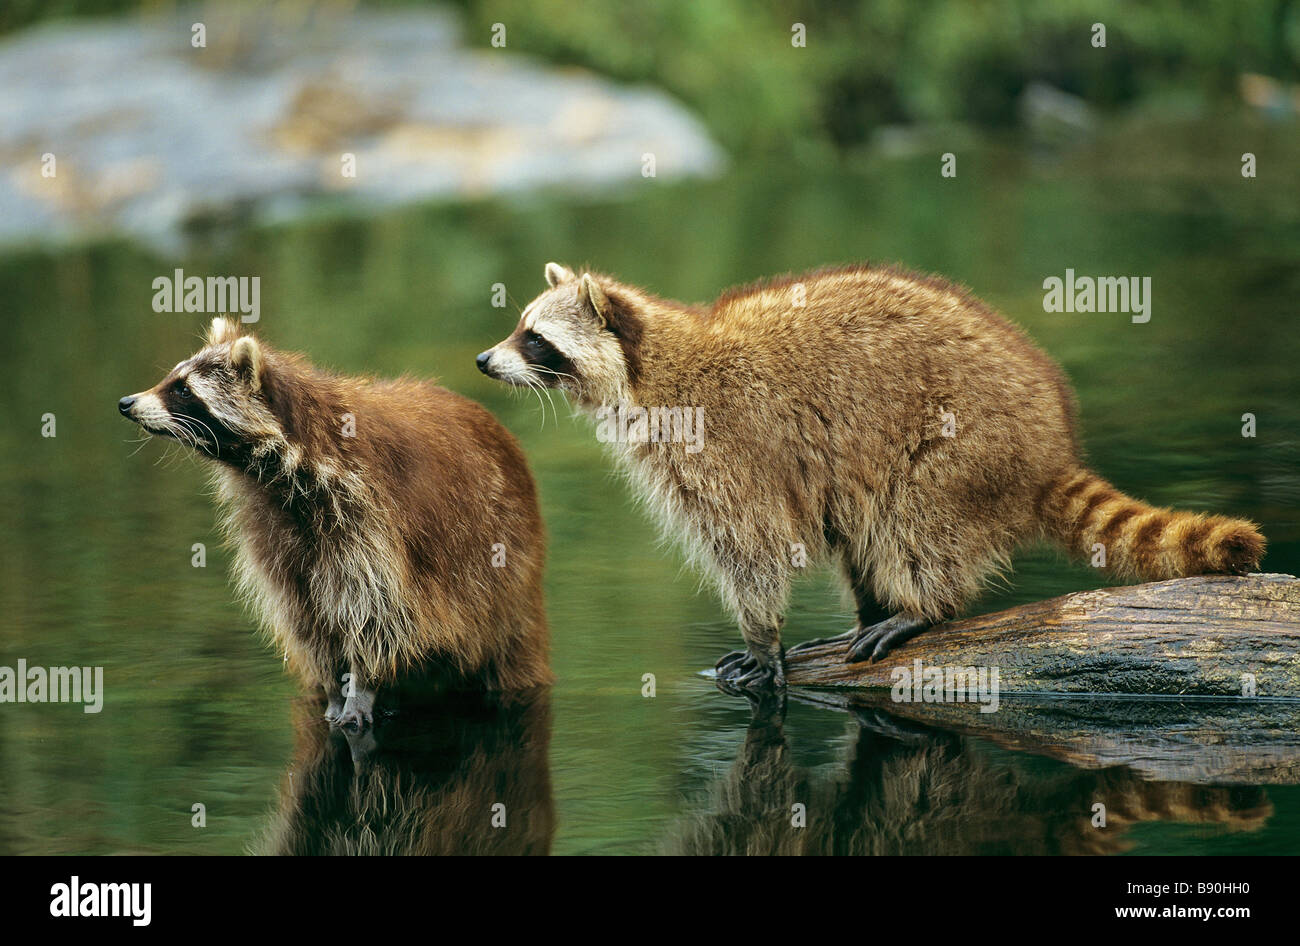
556, 274
222, 330
246, 359
591, 292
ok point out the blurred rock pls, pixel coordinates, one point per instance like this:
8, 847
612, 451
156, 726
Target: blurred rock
1276, 99
160, 140
1051, 116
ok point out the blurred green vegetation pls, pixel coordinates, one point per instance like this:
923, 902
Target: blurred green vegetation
898, 61
867, 63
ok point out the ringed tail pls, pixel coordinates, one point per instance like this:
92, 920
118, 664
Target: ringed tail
1081, 510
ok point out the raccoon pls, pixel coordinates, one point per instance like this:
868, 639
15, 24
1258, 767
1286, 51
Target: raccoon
878, 418
381, 528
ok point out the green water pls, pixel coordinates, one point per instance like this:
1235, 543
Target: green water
97, 551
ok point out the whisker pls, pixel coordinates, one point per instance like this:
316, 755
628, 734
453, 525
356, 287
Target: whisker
182, 431
549, 391
552, 371
211, 433
182, 427
141, 441
164, 456
535, 387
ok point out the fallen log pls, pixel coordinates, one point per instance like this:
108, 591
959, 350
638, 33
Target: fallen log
1211, 635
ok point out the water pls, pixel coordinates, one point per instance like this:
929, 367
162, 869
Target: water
98, 538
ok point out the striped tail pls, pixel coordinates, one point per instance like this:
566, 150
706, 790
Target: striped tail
1083, 511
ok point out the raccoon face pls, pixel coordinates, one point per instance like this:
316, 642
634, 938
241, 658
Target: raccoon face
213, 401
571, 337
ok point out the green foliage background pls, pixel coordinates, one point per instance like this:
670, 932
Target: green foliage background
888, 61
867, 63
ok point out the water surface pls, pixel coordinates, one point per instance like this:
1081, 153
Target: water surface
98, 536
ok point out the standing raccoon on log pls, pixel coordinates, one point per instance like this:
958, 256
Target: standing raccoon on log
382, 528
882, 418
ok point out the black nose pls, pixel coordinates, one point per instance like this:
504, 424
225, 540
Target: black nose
482, 360
124, 405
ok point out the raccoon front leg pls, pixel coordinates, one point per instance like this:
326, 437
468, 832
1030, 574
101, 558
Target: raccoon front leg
359, 709
762, 663
869, 611
755, 587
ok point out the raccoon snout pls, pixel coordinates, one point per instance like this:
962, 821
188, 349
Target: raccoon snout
482, 360
125, 404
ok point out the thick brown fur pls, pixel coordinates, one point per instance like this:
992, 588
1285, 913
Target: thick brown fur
826, 401
366, 516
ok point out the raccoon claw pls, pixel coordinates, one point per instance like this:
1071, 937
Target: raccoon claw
730, 663
355, 719
761, 677
820, 642
741, 670
873, 643
358, 712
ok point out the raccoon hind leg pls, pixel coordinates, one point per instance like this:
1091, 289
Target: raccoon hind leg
868, 610
926, 572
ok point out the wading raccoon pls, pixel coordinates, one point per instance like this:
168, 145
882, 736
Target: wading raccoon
887, 420
382, 528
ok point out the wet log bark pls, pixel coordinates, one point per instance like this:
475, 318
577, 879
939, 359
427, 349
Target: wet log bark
1210, 636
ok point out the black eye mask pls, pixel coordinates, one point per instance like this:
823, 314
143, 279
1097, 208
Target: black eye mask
218, 439
541, 354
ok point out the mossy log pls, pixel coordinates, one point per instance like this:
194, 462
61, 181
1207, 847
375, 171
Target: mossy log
1212, 636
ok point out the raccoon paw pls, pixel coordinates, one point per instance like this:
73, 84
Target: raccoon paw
741, 670
736, 661
873, 643
358, 712
355, 719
